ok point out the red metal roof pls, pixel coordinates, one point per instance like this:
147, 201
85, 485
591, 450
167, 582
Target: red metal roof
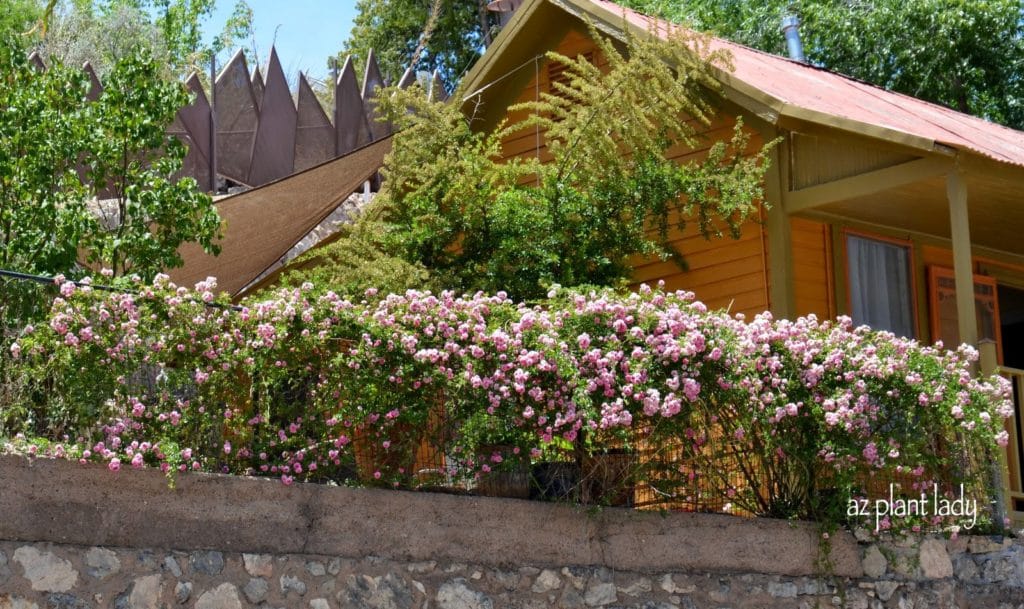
798, 85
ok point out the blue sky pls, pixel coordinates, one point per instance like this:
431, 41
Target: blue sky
308, 31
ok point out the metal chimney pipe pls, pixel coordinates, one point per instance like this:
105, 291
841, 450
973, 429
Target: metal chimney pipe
791, 30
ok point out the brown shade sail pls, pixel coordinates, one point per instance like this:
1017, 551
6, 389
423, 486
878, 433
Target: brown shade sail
262, 224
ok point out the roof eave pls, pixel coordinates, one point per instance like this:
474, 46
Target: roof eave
477, 76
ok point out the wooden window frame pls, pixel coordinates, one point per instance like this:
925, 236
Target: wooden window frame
911, 268
937, 271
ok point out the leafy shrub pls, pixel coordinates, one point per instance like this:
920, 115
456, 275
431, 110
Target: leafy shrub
90, 181
612, 190
354, 263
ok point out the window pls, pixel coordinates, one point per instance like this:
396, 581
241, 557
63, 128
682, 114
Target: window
944, 320
880, 285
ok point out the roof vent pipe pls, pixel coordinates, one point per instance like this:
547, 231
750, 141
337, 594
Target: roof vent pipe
791, 30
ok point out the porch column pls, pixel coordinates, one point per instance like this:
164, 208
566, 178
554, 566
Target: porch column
956, 192
780, 246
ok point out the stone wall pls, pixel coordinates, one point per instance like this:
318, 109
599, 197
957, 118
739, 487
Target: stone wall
79, 536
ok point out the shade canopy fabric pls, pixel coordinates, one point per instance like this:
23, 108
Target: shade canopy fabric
261, 225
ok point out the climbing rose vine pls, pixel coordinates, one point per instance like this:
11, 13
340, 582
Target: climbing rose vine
769, 416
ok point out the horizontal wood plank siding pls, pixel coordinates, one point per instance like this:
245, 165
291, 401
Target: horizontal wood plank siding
811, 264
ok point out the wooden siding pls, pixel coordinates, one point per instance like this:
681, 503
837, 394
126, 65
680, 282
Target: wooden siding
724, 273
812, 268
818, 160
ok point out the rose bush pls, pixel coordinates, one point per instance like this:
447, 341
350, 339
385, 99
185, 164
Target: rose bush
770, 417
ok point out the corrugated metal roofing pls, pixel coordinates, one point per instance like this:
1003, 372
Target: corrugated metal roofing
796, 85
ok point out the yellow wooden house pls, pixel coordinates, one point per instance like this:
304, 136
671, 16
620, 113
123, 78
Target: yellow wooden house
902, 214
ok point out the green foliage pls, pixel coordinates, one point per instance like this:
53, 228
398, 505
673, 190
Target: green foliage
611, 191
18, 16
237, 29
353, 264
968, 55
133, 157
103, 32
394, 30
43, 215
180, 23
51, 138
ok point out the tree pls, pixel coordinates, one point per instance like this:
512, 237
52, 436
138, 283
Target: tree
237, 29
475, 221
102, 36
396, 29
104, 31
968, 55
132, 157
51, 138
18, 16
42, 211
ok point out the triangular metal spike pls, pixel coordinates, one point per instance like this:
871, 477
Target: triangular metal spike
372, 82
237, 119
407, 79
192, 126
95, 87
232, 66
314, 133
350, 123
37, 60
195, 85
273, 153
372, 79
437, 90
258, 86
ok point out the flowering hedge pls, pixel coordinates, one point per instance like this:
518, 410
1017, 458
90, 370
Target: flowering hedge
769, 416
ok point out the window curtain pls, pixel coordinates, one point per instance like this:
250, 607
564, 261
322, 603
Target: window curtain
879, 285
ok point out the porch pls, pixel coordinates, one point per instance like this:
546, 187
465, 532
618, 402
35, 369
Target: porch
923, 239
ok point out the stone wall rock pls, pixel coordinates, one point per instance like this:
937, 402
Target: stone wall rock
47, 575
489, 566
